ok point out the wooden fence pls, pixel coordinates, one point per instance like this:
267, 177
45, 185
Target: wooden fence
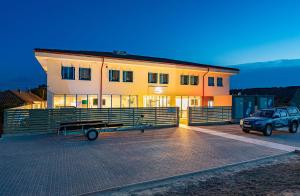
208, 115
48, 120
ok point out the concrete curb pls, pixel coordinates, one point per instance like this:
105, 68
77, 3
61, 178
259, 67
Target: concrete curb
123, 190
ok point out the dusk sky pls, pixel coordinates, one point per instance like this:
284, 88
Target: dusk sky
214, 32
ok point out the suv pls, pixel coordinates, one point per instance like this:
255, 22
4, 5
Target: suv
268, 119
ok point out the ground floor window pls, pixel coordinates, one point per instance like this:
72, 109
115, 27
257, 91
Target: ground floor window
183, 102
117, 101
156, 101
79, 101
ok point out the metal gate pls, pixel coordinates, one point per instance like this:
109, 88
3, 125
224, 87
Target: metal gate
208, 115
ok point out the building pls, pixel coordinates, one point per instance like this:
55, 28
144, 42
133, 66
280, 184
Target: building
21, 100
118, 79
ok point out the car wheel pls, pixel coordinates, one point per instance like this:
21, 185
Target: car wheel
294, 127
92, 134
246, 130
268, 130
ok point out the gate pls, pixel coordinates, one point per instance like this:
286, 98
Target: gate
208, 115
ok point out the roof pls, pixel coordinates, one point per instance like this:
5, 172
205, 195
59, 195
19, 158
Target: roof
9, 99
131, 57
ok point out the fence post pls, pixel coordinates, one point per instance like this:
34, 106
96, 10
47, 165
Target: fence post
133, 116
222, 114
206, 114
155, 116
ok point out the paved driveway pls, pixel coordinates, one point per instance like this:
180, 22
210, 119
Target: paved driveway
52, 165
282, 136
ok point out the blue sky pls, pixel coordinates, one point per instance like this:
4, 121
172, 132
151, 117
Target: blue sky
213, 31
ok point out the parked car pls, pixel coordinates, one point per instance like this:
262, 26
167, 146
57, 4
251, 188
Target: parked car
267, 120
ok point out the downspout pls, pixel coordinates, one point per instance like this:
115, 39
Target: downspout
203, 86
101, 73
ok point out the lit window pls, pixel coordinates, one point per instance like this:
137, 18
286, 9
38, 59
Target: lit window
92, 101
58, 101
70, 101
127, 76
184, 79
194, 80
211, 81
84, 73
114, 75
219, 81
82, 101
67, 73
152, 77
164, 78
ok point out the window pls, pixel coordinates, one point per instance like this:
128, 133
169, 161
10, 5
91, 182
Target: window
152, 77
82, 101
211, 81
127, 76
283, 113
184, 79
84, 73
67, 73
70, 101
164, 78
114, 75
220, 82
92, 101
58, 101
194, 80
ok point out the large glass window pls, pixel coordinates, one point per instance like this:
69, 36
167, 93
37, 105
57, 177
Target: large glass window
194, 80
220, 82
115, 101
194, 101
82, 101
114, 75
184, 79
58, 101
84, 73
133, 101
106, 101
125, 101
163, 78
152, 77
92, 101
127, 76
70, 101
211, 81
67, 73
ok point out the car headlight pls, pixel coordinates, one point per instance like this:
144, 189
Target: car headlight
241, 122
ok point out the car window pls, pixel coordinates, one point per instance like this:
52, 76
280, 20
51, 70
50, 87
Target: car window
264, 113
283, 113
293, 111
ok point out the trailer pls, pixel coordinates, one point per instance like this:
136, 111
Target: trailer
92, 129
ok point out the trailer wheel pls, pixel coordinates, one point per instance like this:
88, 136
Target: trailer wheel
92, 134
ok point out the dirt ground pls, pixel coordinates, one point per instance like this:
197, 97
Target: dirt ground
279, 176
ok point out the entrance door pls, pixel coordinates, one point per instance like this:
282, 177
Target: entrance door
183, 103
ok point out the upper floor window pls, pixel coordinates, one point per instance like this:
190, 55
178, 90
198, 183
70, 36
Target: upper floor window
152, 77
68, 73
114, 75
84, 73
164, 78
219, 81
211, 81
184, 79
194, 80
127, 76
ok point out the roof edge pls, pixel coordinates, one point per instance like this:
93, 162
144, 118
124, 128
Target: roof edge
131, 57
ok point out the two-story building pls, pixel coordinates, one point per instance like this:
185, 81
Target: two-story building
82, 78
